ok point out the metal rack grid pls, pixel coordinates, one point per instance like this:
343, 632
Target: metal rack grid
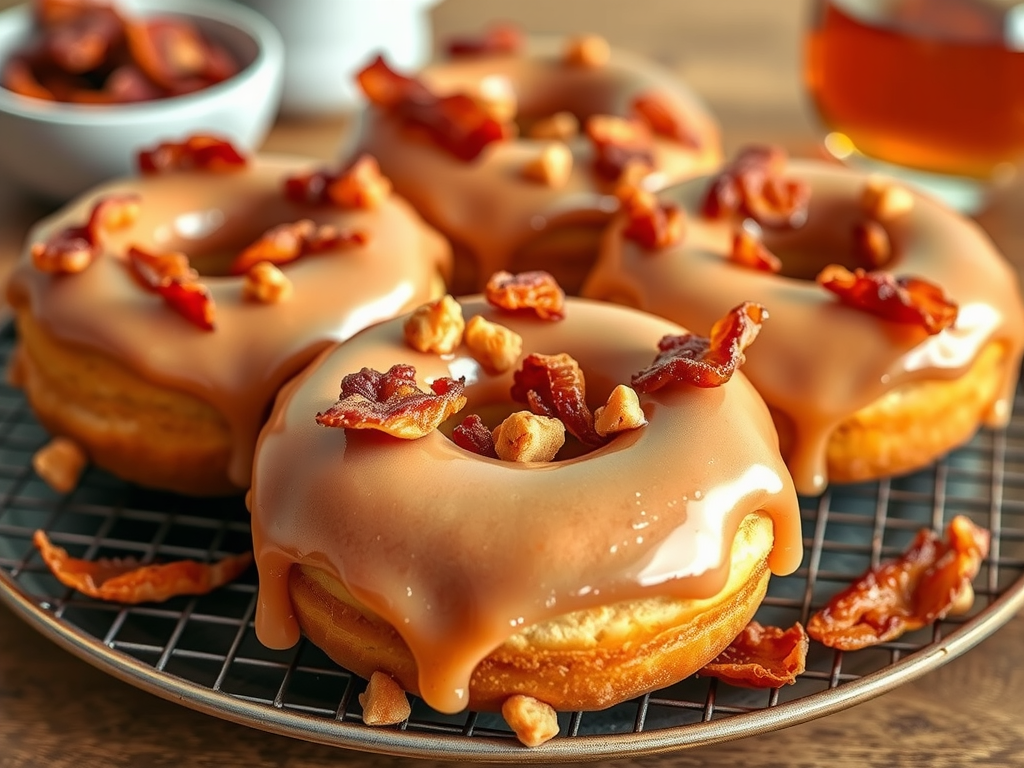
202, 651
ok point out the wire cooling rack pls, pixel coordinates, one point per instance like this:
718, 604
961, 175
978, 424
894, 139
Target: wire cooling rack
203, 652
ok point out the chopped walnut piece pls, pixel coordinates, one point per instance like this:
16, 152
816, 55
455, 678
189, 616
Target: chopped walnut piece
494, 346
126, 580
552, 167
590, 51
60, 463
435, 327
554, 385
655, 110
170, 276
761, 657
871, 244
474, 436
619, 142
650, 223
747, 251
495, 95
360, 185
197, 153
561, 126
622, 412
72, 249
536, 291
526, 437
391, 402
903, 299
885, 200
266, 284
287, 242
456, 123
919, 587
384, 702
532, 721
704, 361
752, 185
497, 39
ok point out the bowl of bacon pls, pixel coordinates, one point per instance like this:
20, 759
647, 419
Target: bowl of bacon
85, 84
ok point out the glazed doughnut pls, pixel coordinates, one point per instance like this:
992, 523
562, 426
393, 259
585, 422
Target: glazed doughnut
159, 401
534, 203
855, 396
581, 581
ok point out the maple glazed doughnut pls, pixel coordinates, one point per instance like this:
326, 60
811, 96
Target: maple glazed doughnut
896, 328
516, 156
580, 581
164, 376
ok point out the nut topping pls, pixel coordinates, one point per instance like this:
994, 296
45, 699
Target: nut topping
533, 721
622, 412
435, 327
526, 437
552, 167
589, 51
884, 200
384, 702
494, 346
561, 126
266, 284
60, 463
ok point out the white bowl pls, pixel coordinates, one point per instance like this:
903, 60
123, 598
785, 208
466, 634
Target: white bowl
59, 150
328, 41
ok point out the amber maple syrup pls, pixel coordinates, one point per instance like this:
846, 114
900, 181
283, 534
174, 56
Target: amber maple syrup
936, 85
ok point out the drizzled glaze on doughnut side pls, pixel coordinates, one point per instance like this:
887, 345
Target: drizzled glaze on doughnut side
458, 551
256, 347
488, 205
818, 361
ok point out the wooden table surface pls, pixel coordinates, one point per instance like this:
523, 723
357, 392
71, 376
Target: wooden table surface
743, 56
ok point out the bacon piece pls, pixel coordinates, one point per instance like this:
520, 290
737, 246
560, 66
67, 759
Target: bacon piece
361, 185
287, 242
457, 123
704, 361
747, 251
619, 143
473, 435
761, 657
752, 185
19, 78
554, 386
910, 592
537, 291
175, 55
393, 403
128, 581
200, 152
903, 299
655, 110
83, 40
498, 39
72, 249
651, 223
170, 276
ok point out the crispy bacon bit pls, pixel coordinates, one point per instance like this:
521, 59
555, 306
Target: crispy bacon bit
703, 361
621, 413
554, 386
588, 51
526, 437
456, 123
537, 291
561, 126
285, 243
384, 702
921, 586
761, 657
494, 346
871, 244
360, 185
170, 276
174, 54
752, 185
747, 251
532, 721
266, 284
60, 463
619, 142
552, 167
72, 249
19, 78
474, 436
903, 299
655, 110
392, 402
498, 39
651, 223
128, 581
435, 327
196, 153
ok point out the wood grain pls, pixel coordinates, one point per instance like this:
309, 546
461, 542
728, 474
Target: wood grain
743, 57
